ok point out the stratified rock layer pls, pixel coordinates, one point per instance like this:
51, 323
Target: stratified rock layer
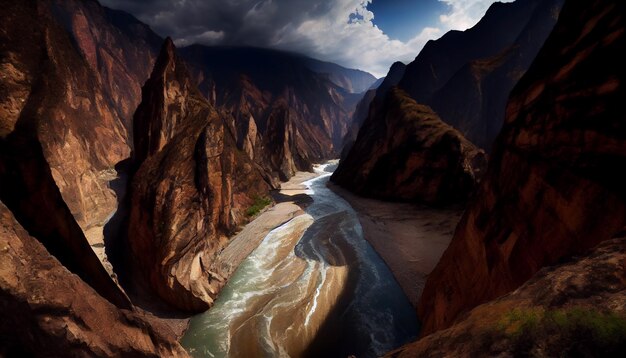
554, 187
408, 153
48, 311
191, 188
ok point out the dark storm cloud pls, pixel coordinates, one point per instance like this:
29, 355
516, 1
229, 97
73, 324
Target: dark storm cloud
234, 22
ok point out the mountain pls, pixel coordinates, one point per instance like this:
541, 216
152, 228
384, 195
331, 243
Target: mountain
297, 116
407, 153
465, 78
191, 189
552, 189
353, 81
84, 131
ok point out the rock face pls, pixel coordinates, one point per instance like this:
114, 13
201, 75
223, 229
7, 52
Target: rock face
47, 310
466, 77
552, 189
78, 76
59, 137
575, 309
408, 153
300, 116
191, 189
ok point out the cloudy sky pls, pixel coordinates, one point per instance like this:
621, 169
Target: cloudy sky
365, 34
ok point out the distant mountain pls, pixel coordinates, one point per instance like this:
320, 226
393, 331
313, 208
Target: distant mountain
353, 81
465, 77
297, 116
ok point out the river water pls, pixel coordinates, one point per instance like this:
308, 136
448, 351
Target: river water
314, 287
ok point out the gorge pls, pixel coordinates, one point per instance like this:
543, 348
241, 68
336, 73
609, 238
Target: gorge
226, 197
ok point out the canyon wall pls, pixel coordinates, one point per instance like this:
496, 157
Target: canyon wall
552, 189
191, 189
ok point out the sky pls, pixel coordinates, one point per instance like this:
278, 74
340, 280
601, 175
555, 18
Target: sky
364, 34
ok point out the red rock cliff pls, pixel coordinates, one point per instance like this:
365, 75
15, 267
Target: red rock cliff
191, 188
553, 187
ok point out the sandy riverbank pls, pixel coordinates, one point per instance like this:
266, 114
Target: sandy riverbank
409, 238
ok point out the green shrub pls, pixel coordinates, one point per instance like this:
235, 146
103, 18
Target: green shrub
260, 202
571, 332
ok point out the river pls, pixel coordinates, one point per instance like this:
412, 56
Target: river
313, 287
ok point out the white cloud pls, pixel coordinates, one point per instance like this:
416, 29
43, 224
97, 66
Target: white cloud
318, 28
361, 44
464, 14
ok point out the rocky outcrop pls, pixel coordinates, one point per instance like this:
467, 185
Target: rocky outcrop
300, 115
408, 153
191, 188
466, 77
552, 189
575, 309
46, 310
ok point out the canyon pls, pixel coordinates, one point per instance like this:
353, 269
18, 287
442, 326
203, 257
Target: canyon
170, 201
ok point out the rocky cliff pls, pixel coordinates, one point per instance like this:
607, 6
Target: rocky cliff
191, 188
574, 309
46, 310
299, 116
75, 77
59, 139
407, 153
552, 189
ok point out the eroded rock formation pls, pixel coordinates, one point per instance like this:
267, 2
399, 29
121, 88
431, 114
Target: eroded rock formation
191, 188
407, 153
552, 189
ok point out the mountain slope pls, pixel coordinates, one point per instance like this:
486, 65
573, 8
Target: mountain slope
551, 190
408, 153
299, 116
465, 77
